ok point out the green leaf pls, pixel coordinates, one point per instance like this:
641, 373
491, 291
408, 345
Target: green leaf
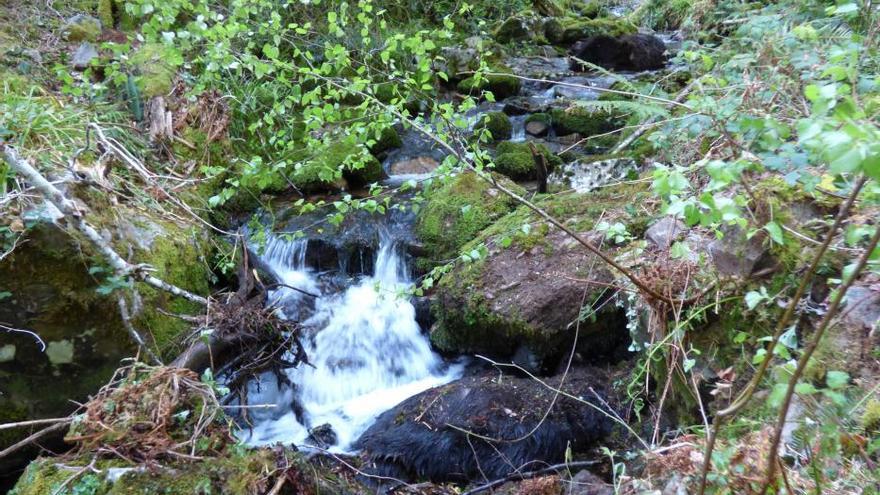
836, 379
775, 232
805, 388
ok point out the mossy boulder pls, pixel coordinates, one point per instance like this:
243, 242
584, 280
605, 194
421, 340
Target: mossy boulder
520, 299
387, 139
567, 31
497, 123
156, 65
515, 28
57, 286
502, 85
585, 122
515, 160
80, 28
456, 211
320, 172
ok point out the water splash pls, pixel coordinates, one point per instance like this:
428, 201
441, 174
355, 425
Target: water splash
367, 352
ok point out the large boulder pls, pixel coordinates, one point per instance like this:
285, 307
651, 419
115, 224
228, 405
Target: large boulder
634, 52
523, 303
426, 436
54, 285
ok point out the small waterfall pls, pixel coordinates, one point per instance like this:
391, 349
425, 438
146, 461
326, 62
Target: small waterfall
518, 131
366, 350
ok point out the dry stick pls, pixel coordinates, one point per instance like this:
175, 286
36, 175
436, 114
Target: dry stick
33, 438
750, 388
34, 422
69, 208
126, 322
808, 353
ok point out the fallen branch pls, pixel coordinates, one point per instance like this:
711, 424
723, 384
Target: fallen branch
34, 422
126, 322
69, 209
33, 438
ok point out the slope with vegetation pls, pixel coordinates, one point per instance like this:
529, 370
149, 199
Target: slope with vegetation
702, 318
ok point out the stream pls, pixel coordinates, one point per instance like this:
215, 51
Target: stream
366, 348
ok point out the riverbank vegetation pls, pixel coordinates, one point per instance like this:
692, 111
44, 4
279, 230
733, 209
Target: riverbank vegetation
663, 265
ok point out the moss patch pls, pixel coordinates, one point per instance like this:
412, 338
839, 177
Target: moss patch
515, 160
501, 85
567, 31
156, 67
585, 122
455, 212
498, 124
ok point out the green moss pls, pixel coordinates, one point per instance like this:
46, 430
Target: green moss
871, 416
180, 258
105, 12
501, 85
586, 122
455, 212
156, 66
512, 29
568, 31
388, 139
540, 117
85, 28
498, 124
515, 160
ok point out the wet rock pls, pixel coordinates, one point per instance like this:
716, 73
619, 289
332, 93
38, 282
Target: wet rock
81, 27
589, 173
458, 60
665, 231
737, 255
83, 56
521, 297
322, 436
414, 166
537, 128
423, 437
502, 85
521, 105
635, 52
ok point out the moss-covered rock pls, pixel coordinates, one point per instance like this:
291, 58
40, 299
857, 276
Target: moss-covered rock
513, 29
515, 160
497, 123
499, 83
388, 139
455, 212
81, 27
156, 67
509, 304
585, 122
567, 31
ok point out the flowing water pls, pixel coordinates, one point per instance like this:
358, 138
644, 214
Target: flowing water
367, 352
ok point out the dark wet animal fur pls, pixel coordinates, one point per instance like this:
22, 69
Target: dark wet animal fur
414, 441
634, 52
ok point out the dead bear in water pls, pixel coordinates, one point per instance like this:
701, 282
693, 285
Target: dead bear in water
633, 52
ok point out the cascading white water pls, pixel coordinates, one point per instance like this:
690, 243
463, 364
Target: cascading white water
518, 128
366, 350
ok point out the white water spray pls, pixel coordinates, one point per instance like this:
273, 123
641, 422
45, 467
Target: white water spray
367, 352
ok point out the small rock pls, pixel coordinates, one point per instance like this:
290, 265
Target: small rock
525, 358
863, 307
83, 56
33, 54
677, 485
521, 105
322, 436
414, 166
664, 231
587, 483
537, 128
81, 27
735, 254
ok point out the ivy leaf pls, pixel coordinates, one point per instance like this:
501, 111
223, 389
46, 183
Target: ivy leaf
775, 232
